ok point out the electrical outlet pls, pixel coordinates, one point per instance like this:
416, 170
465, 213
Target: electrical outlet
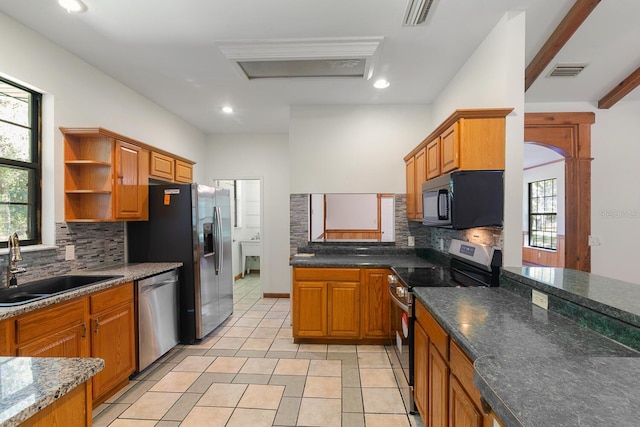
540, 299
69, 252
411, 241
441, 243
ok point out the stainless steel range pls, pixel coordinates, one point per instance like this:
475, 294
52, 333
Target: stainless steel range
471, 265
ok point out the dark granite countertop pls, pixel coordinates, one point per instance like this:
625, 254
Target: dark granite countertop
501, 330
128, 272
615, 298
351, 260
29, 384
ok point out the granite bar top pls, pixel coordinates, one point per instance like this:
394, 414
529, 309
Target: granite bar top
129, 272
351, 260
30, 384
615, 298
501, 330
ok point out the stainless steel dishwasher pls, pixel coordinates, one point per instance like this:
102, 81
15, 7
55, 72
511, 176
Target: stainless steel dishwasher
157, 316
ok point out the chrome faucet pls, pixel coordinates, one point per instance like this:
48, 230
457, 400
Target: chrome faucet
15, 256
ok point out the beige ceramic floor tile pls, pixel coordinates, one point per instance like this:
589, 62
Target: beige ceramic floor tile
225, 395
254, 314
242, 417
373, 360
259, 366
285, 333
283, 345
208, 342
132, 423
194, 364
341, 348
292, 367
259, 396
247, 321
227, 365
239, 332
271, 323
320, 412
202, 416
265, 333
313, 348
386, 420
325, 368
176, 382
327, 387
377, 378
229, 343
257, 344
382, 401
151, 406
371, 349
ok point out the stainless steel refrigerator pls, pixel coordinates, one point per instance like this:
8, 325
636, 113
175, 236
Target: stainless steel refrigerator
190, 223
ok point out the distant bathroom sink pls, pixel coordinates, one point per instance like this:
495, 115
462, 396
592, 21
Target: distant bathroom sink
249, 248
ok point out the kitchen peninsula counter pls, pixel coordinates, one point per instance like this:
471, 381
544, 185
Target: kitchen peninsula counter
29, 384
367, 256
536, 367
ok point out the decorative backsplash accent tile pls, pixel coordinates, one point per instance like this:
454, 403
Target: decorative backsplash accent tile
96, 245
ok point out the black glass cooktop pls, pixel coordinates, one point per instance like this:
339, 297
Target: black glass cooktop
426, 277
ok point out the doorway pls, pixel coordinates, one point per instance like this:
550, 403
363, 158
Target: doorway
569, 134
246, 231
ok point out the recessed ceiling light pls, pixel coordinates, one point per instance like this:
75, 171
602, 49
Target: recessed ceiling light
227, 110
381, 84
75, 6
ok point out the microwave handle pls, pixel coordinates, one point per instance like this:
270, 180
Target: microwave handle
443, 204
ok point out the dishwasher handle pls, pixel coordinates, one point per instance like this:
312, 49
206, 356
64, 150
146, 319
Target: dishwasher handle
148, 287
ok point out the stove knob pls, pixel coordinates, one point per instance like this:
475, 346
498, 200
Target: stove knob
401, 292
392, 279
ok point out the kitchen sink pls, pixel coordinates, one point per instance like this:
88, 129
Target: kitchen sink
44, 288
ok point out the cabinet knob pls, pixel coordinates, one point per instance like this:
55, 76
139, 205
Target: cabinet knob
486, 408
84, 330
97, 327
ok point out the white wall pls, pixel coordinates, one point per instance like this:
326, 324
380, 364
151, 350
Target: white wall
493, 77
615, 197
550, 171
354, 149
263, 157
79, 95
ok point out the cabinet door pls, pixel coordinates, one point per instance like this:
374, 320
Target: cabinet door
438, 389
421, 371
161, 166
433, 158
462, 411
420, 177
66, 342
112, 339
184, 172
131, 187
343, 301
411, 188
375, 304
450, 149
309, 309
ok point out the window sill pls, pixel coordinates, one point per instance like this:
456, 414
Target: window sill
539, 249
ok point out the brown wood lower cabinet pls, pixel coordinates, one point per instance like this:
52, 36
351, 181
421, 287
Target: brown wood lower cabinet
342, 305
444, 392
72, 409
97, 325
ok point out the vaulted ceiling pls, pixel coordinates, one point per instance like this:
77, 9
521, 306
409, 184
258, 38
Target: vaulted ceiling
170, 51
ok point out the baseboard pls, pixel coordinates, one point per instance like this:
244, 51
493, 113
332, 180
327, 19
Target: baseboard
275, 295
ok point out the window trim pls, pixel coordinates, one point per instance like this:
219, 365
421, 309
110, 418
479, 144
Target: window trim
531, 215
35, 188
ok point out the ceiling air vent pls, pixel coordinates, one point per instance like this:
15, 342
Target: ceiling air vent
566, 70
417, 11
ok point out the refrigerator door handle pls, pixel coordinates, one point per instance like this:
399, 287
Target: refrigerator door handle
219, 239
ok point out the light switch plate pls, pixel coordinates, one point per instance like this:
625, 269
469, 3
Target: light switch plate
411, 241
540, 299
69, 252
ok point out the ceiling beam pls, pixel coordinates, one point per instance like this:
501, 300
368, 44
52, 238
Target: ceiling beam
621, 90
570, 23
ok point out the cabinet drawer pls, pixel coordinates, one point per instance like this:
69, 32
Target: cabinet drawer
111, 297
327, 274
462, 368
49, 319
438, 336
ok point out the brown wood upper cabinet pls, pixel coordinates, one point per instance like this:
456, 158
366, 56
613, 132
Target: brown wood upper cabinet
466, 140
106, 175
167, 168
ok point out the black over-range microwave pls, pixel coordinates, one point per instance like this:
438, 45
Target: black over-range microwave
464, 199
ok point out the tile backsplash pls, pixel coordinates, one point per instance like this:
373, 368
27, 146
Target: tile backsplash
96, 245
424, 237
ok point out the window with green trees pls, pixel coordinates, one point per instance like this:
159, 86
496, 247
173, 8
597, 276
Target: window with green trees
20, 167
543, 208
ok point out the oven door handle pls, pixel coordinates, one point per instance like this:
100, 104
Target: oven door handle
394, 299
